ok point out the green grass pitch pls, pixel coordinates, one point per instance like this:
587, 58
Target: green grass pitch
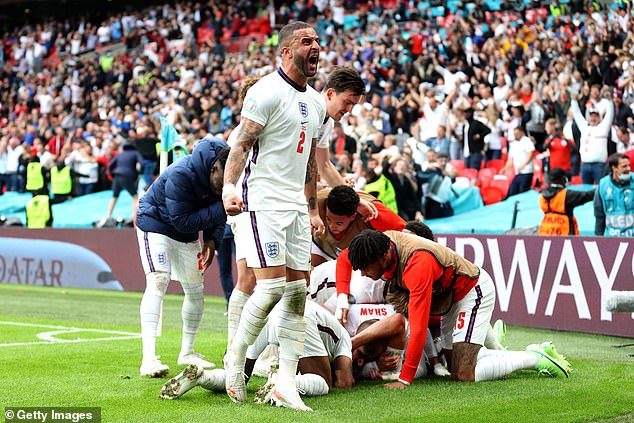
95, 372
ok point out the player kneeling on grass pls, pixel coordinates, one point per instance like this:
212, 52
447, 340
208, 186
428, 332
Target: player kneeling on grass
327, 354
437, 280
184, 200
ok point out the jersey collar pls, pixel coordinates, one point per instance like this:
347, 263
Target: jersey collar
290, 81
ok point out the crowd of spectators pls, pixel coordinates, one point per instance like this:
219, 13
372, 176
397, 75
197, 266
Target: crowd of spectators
458, 81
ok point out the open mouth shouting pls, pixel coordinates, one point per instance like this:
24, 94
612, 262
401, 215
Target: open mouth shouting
313, 62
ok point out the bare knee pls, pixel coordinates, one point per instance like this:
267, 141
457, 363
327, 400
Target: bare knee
343, 382
463, 375
246, 280
157, 281
463, 361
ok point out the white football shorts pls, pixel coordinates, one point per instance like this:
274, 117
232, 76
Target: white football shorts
160, 253
468, 320
271, 238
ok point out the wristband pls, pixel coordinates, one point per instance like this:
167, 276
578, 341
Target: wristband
342, 301
403, 382
228, 189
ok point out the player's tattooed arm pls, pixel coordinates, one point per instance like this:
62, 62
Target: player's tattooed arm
311, 178
248, 134
310, 190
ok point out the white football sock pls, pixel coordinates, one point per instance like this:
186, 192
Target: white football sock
311, 385
267, 293
291, 331
491, 341
192, 314
213, 380
430, 346
421, 370
237, 300
156, 285
494, 364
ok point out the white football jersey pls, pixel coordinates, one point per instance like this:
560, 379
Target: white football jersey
359, 313
323, 140
275, 172
323, 290
334, 337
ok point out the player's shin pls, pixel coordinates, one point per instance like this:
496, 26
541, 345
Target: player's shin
150, 310
291, 331
192, 314
213, 380
236, 303
267, 293
495, 364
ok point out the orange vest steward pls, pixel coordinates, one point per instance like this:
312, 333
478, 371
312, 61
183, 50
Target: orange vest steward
556, 221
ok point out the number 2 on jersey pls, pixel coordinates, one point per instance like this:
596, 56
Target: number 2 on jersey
300, 144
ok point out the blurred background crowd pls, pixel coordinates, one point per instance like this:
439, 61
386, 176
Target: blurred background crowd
470, 92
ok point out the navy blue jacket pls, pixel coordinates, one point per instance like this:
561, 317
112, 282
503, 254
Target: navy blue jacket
180, 203
124, 163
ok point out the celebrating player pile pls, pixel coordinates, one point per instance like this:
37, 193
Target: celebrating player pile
270, 193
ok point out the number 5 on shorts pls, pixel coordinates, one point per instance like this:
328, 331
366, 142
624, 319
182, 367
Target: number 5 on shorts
460, 320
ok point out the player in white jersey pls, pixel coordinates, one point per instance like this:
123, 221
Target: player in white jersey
274, 165
322, 287
342, 91
328, 351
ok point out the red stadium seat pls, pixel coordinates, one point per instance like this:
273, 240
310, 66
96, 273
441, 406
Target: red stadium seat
502, 182
265, 26
468, 173
485, 176
491, 195
576, 180
496, 164
510, 173
457, 164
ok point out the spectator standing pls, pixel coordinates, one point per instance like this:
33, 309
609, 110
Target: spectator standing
4, 176
125, 168
473, 132
521, 152
614, 200
407, 193
593, 145
83, 163
558, 149
341, 142
14, 152
146, 144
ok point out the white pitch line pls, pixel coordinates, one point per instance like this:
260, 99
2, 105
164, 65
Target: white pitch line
50, 339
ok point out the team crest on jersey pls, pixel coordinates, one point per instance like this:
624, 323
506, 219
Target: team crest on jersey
161, 258
272, 249
303, 109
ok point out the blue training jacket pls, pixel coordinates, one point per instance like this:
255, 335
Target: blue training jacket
180, 202
125, 163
